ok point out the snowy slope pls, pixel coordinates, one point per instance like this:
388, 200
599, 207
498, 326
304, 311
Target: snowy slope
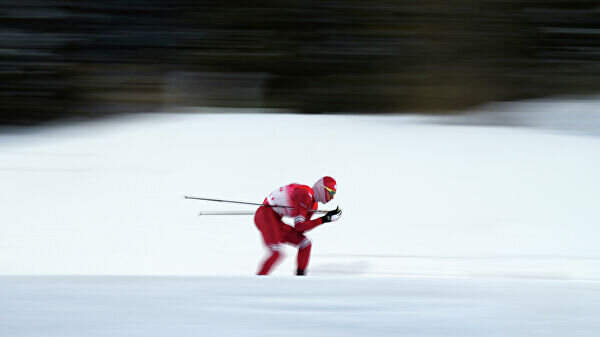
288, 306
419, 199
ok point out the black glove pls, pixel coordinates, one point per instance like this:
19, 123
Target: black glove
332, 215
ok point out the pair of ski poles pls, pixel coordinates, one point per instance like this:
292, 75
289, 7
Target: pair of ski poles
242, 203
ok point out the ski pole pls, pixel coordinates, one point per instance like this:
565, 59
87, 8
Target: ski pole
248, 203
240, 212
235, 202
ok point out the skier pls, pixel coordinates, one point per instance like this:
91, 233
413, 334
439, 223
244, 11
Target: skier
298, 201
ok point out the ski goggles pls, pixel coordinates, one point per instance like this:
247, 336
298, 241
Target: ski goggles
330, 191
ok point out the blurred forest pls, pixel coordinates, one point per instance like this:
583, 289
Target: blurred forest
62, 58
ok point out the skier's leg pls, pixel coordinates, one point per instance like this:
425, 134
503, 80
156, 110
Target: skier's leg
303, 256
304, 245
270, 261
267, 223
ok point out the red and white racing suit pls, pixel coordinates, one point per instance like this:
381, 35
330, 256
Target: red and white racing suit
297, 200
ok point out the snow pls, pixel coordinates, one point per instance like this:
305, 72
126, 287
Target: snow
287, 306
450, 228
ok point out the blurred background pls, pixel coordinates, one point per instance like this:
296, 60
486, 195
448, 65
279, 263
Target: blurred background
61, 58
470, 200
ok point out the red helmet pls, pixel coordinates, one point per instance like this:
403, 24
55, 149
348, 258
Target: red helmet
325, 189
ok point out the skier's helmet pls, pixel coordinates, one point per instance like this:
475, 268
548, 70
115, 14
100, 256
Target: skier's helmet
325, 189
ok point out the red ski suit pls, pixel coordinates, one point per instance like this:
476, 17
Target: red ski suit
297, 200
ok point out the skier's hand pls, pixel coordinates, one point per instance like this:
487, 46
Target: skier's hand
332, 215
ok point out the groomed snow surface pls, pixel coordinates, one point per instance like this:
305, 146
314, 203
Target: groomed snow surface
448, 229
142, 306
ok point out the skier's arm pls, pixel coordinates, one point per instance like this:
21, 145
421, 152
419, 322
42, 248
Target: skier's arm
302, 221
330, 216
305, 226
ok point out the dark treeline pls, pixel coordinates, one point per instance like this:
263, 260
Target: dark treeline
87, 58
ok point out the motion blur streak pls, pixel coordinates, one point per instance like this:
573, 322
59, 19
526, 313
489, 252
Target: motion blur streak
79, 58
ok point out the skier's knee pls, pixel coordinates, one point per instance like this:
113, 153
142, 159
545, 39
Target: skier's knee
275, 249
304, 243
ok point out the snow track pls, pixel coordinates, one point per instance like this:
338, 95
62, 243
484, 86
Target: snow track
288, 306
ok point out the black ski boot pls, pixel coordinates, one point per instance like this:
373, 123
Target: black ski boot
300, 272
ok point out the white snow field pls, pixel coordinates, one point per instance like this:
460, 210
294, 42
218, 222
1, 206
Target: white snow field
144, 306
447, 230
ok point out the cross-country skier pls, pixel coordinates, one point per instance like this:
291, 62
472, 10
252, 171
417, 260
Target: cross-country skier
299, 200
